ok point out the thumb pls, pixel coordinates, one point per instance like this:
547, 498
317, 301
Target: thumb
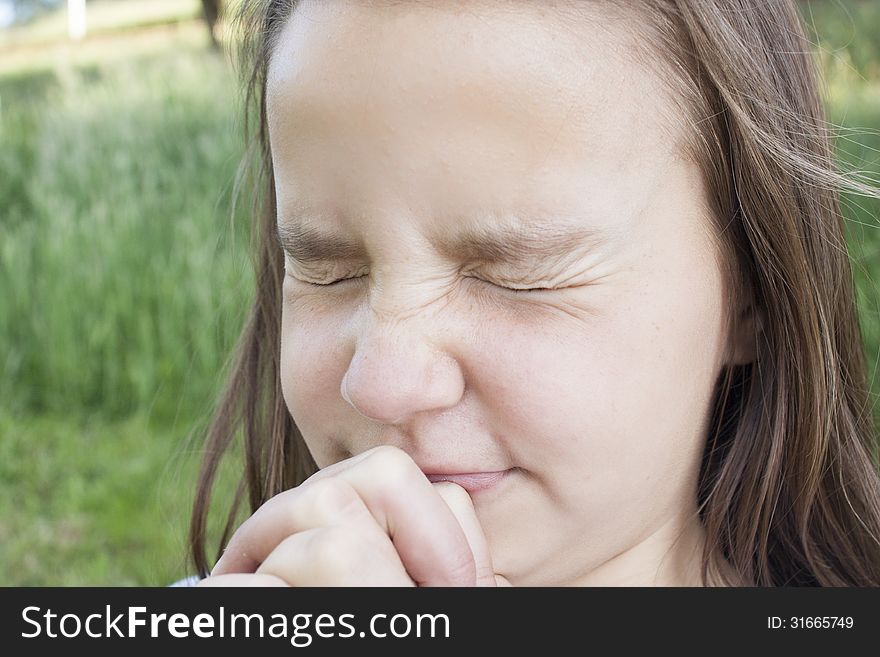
462, 507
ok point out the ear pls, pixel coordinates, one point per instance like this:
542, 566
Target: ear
743, 344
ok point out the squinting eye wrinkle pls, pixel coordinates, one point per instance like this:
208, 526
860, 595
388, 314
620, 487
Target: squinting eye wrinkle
522, 243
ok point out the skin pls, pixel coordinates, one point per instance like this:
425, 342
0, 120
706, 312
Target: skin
400, 122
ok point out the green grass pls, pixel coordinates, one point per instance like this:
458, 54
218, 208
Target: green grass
123, 285
89, 502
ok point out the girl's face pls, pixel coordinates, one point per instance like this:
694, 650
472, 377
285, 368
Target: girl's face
436, 154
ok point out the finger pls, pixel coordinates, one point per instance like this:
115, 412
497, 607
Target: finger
460, 503
425, 532
240, 579
337, 556
323, 503
396, 493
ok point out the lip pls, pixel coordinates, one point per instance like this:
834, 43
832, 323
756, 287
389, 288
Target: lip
472, 482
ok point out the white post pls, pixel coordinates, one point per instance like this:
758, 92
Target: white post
76, 19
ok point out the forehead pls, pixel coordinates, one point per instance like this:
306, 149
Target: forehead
444, 106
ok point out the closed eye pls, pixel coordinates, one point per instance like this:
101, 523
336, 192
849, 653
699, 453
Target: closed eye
516, 289
519, 290
331, 283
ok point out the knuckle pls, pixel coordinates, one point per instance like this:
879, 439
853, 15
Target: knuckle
394, 465
331, 495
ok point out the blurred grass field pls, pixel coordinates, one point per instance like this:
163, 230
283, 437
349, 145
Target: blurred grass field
123, 285
124, 279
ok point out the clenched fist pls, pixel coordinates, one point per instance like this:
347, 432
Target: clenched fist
372, 520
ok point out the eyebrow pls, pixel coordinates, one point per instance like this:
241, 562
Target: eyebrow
512, 241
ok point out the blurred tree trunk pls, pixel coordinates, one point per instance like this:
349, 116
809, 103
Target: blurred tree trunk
211, 10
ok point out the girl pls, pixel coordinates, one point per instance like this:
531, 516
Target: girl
549, 293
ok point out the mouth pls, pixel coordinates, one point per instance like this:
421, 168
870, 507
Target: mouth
472, 482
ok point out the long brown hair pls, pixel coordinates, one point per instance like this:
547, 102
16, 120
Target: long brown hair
789, 491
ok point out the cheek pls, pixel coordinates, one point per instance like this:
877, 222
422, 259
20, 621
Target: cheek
608, 403
553, 388
313, 363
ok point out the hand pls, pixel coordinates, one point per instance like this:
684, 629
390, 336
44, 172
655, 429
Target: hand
371, 520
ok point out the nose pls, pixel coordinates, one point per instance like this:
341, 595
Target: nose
395, 375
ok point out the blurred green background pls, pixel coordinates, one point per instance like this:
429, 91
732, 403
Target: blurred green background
124, 272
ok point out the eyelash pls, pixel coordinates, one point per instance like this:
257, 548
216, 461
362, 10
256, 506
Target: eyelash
331, 283
531, 290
